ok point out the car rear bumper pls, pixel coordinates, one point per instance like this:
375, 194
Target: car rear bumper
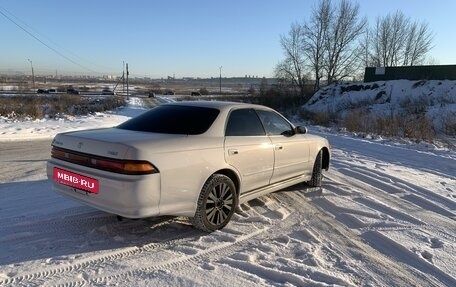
131, 196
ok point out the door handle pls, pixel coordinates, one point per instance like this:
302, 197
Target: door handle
233, 152
278, 147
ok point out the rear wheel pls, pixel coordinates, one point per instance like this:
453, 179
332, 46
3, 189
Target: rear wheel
317, 174
216, 203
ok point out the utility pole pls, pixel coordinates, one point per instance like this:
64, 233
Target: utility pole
123, 77
128, 73
220, 80
33, 73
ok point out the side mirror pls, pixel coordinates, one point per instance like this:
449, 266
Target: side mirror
300, 130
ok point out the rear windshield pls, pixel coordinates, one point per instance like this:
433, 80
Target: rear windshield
170, 119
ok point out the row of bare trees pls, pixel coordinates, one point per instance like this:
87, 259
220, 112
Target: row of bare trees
336, 42
396, 40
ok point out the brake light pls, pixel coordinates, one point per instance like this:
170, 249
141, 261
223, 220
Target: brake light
104, 163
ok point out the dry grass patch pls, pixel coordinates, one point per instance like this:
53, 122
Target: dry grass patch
37, 107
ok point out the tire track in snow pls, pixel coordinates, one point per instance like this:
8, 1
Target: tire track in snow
411, 194
25, 280
408, 187
395, 250
329, 244
82, 240
406, 201
322, 241
366, 195
401, 195
264, 212
349, 245
413, 208
273, 209
218, 250
278, 276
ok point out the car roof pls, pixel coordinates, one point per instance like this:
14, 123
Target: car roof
217, 105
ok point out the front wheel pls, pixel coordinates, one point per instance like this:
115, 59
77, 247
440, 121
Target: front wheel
216, 203
317, 173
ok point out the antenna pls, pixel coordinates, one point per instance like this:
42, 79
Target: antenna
128, 73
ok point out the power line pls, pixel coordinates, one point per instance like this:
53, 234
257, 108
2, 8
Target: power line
36, 32
39, 40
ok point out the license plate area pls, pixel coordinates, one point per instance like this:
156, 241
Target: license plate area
75, 180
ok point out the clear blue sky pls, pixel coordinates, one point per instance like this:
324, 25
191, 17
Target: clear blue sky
185, 38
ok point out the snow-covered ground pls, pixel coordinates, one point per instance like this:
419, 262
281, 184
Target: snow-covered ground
385, 216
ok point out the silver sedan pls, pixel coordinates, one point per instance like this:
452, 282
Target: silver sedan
195, 159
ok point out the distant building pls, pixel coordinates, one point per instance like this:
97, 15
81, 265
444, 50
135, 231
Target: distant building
440, 72
109, 77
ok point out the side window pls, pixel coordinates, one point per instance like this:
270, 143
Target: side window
244, 122
273, 123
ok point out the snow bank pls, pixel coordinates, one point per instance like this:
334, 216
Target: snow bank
435, 99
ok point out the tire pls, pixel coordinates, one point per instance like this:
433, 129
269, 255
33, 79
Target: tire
216, 203
317, 174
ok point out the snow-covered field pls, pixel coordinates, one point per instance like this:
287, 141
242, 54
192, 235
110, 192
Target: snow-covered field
385, 216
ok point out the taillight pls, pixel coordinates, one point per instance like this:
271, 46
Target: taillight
104, 163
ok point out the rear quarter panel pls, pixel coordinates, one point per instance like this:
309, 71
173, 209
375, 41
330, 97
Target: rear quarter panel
184, 168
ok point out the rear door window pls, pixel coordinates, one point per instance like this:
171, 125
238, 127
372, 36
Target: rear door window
244, 122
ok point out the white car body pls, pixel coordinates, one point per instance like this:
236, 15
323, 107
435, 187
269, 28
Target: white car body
257, 165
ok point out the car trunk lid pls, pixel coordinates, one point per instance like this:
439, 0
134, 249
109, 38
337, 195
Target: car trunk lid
108, 142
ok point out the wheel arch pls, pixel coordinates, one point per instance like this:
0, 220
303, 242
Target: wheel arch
222, 204
233, 176
325, 159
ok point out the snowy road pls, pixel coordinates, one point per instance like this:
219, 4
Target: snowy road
385, 216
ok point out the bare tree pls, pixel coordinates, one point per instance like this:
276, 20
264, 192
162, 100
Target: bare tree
419, 43
315, 33
396, 41
324, 46
393, 33
371, 52
364, 53
292, 68
344, 30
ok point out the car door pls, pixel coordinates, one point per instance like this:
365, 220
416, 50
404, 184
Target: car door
248, 149
291, 151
